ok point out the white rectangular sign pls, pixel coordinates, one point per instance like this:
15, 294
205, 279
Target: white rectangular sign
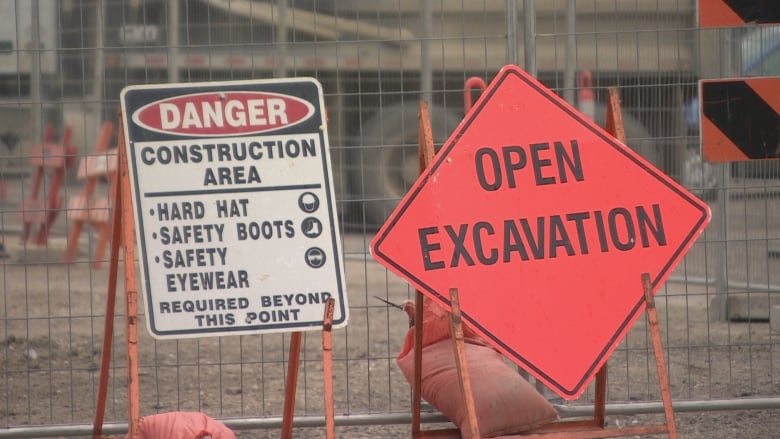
234, 207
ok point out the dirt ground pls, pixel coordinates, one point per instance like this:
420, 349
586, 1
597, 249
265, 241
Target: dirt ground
51, 333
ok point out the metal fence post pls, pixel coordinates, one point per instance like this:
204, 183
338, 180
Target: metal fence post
511, 32
529, 18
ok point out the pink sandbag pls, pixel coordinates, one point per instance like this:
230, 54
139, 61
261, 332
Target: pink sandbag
503, 400
183, 425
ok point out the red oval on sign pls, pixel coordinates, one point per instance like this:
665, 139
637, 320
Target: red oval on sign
223, 113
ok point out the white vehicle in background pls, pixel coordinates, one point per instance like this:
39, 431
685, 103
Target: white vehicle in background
369, 56
375, 59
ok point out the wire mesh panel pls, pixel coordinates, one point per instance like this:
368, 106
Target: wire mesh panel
63, 65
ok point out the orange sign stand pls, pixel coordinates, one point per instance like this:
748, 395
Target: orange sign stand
565, 429
293, 362
123, 235
54, 156
85, 208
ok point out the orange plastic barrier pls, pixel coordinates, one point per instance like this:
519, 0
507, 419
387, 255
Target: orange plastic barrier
85, 207
55, 157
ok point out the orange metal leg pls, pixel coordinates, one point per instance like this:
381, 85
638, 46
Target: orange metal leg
33, 197
131, 293
327, 369
456, 324
291, 386
108, 331
663, 377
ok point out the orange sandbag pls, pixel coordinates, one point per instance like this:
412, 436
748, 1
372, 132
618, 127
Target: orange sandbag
503, 400
183, 425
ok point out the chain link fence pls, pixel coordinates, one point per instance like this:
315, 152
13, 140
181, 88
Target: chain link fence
64, 63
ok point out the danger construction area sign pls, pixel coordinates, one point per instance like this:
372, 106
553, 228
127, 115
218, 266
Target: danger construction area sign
545, 224
234, 207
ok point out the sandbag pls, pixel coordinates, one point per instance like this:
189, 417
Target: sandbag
503, 400
183, 425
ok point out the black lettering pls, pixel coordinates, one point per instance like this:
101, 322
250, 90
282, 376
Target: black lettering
165, 238
579, 219
147, 155
170, 282
241, 232
479, 248
233, 209
277, 315
209, 320
539, 238
162, 212
537, 244
209, 179
628, 226
656, 226
427, 247
180, 211
510, 166
540, 163
513, 242
225, 176
599, 217
573, 162
164, 155
559, 237
479, 159
309, 148
458, 239
207, 280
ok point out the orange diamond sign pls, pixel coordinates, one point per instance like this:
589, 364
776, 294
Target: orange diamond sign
544, 223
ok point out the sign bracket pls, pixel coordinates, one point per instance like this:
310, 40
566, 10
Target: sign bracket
123, 237
574, 429
581, 428
426, 152
293, 362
